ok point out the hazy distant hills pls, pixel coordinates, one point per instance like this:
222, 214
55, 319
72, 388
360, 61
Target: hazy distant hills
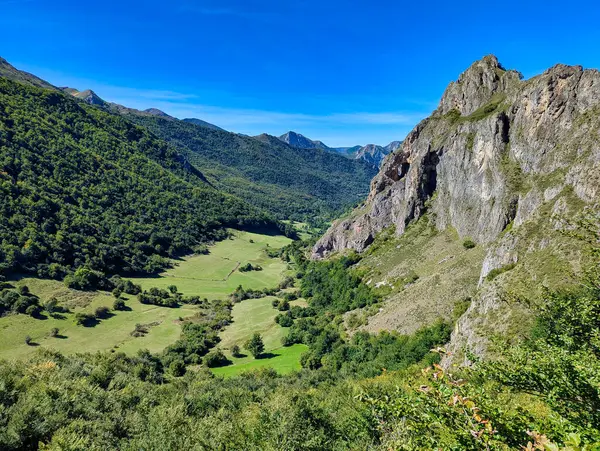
371, 153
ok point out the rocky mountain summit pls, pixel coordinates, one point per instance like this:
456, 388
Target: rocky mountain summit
301, 142
499, 154
371, 153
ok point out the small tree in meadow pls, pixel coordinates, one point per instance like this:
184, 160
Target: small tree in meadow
255, 345
235, 351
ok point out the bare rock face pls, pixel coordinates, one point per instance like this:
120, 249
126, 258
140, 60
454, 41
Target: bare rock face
498, 151
470, 163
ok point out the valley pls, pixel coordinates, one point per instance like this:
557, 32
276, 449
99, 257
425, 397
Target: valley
166, 284
214, 275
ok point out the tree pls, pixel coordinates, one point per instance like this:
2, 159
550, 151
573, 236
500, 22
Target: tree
28, 340
119, 304
33, 310
177, 368
235, 351
172, 289
50, 305
255, 345
215, 358
54, 332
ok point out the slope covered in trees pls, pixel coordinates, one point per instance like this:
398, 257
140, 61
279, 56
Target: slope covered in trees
266, 172
82, 187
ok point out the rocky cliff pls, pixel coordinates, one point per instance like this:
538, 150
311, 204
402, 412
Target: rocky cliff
498, 153
471, 159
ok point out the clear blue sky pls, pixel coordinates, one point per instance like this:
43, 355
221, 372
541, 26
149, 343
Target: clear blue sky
346, 72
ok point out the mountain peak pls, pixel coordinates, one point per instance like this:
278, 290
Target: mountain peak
295, 139
202, 123
88, 96
156, 112
476, 86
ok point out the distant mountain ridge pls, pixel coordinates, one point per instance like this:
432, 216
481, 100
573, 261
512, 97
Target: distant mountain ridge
371, 153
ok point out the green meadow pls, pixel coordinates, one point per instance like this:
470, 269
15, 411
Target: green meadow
214, 275
258, 315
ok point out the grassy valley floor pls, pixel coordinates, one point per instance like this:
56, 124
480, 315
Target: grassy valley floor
214, 275
258, 315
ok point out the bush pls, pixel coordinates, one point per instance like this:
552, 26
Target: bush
28, 340
285, 320
51, 305
215, 359
54, 332
102, 312
85, 319
235, 351
177, 368
249, 267
33, 311
283, 306
119, 304
469, 244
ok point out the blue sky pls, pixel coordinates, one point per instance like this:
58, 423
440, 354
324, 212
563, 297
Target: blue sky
345, 72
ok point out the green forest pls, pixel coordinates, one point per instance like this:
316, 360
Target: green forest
84, 188
297, 185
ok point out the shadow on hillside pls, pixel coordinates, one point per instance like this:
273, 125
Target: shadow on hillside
267, 355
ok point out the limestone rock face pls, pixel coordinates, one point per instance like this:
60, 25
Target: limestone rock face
472, 161
498, 153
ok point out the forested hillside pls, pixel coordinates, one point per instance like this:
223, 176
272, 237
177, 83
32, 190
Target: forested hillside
288, 182
82, 187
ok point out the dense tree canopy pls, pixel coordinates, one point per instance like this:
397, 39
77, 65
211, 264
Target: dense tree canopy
82, 187
290, 183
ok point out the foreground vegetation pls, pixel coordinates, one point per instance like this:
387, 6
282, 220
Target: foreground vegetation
384, 391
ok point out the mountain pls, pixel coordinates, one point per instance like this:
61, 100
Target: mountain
88, 96
266, 172
256, 169
302, 142
202, 123
370, 153
90, 188
8, 71
503, 165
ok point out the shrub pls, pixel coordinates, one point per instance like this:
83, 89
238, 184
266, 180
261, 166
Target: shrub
283, 306
51, 305
33, 310
54, 332
177, 368
469, 244
215, 359
497, 271
119, 304
85, 319
285, 319
28, 340
101, 312
235, 351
